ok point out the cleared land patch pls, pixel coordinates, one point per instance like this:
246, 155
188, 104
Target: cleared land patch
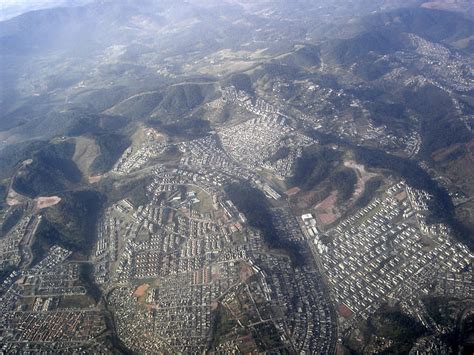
86, 151
362, 177
44, 202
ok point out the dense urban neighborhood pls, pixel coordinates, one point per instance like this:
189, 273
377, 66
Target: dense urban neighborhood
232, 176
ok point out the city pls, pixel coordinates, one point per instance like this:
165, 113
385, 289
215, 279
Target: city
236, 177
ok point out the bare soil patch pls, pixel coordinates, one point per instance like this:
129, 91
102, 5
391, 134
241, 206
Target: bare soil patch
44, 202
141, 290
245, 272
326, 212
94, 179
401, 196
362, 177
14, 198
293, 191
344, 311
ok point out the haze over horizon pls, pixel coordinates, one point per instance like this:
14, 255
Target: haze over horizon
237, 176
13, 8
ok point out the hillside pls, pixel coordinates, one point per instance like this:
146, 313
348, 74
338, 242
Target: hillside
195, 168
72, 223
179, 100
51, 170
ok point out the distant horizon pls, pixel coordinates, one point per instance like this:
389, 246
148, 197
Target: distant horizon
237, 176
13, 8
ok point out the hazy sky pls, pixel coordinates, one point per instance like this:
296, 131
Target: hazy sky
11, 8
31, 2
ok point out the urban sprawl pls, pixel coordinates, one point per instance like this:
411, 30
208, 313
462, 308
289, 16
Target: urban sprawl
169, 267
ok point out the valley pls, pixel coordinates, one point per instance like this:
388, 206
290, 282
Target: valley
237, 177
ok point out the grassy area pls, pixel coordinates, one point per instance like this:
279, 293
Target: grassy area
223, 324
77, 302
86, 151
205, 204
118, 189
111, 146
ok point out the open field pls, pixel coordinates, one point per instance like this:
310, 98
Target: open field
326, 210
85, 153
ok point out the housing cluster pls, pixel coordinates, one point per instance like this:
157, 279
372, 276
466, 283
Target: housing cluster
386, 251
174, 261
268, 141
39, 313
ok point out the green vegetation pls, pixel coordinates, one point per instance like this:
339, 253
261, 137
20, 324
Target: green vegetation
306, 57
314, 166
3, 195
4, 273
188, 128
281, 153
392, 323
253, 203
320, 170
467, 335
72, 223
87, 279
370, 190
13, 154
223, 324
11, 219
323, 138
51, 171
434, 25
134, 190
440, 309
360, 48
446, 311
344, 182
392, 115
64, 123
138, 106
243, 82
45, 237
101, 99
267, 336
112, 146
436, 111
270, 71
405, 168
181, 99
